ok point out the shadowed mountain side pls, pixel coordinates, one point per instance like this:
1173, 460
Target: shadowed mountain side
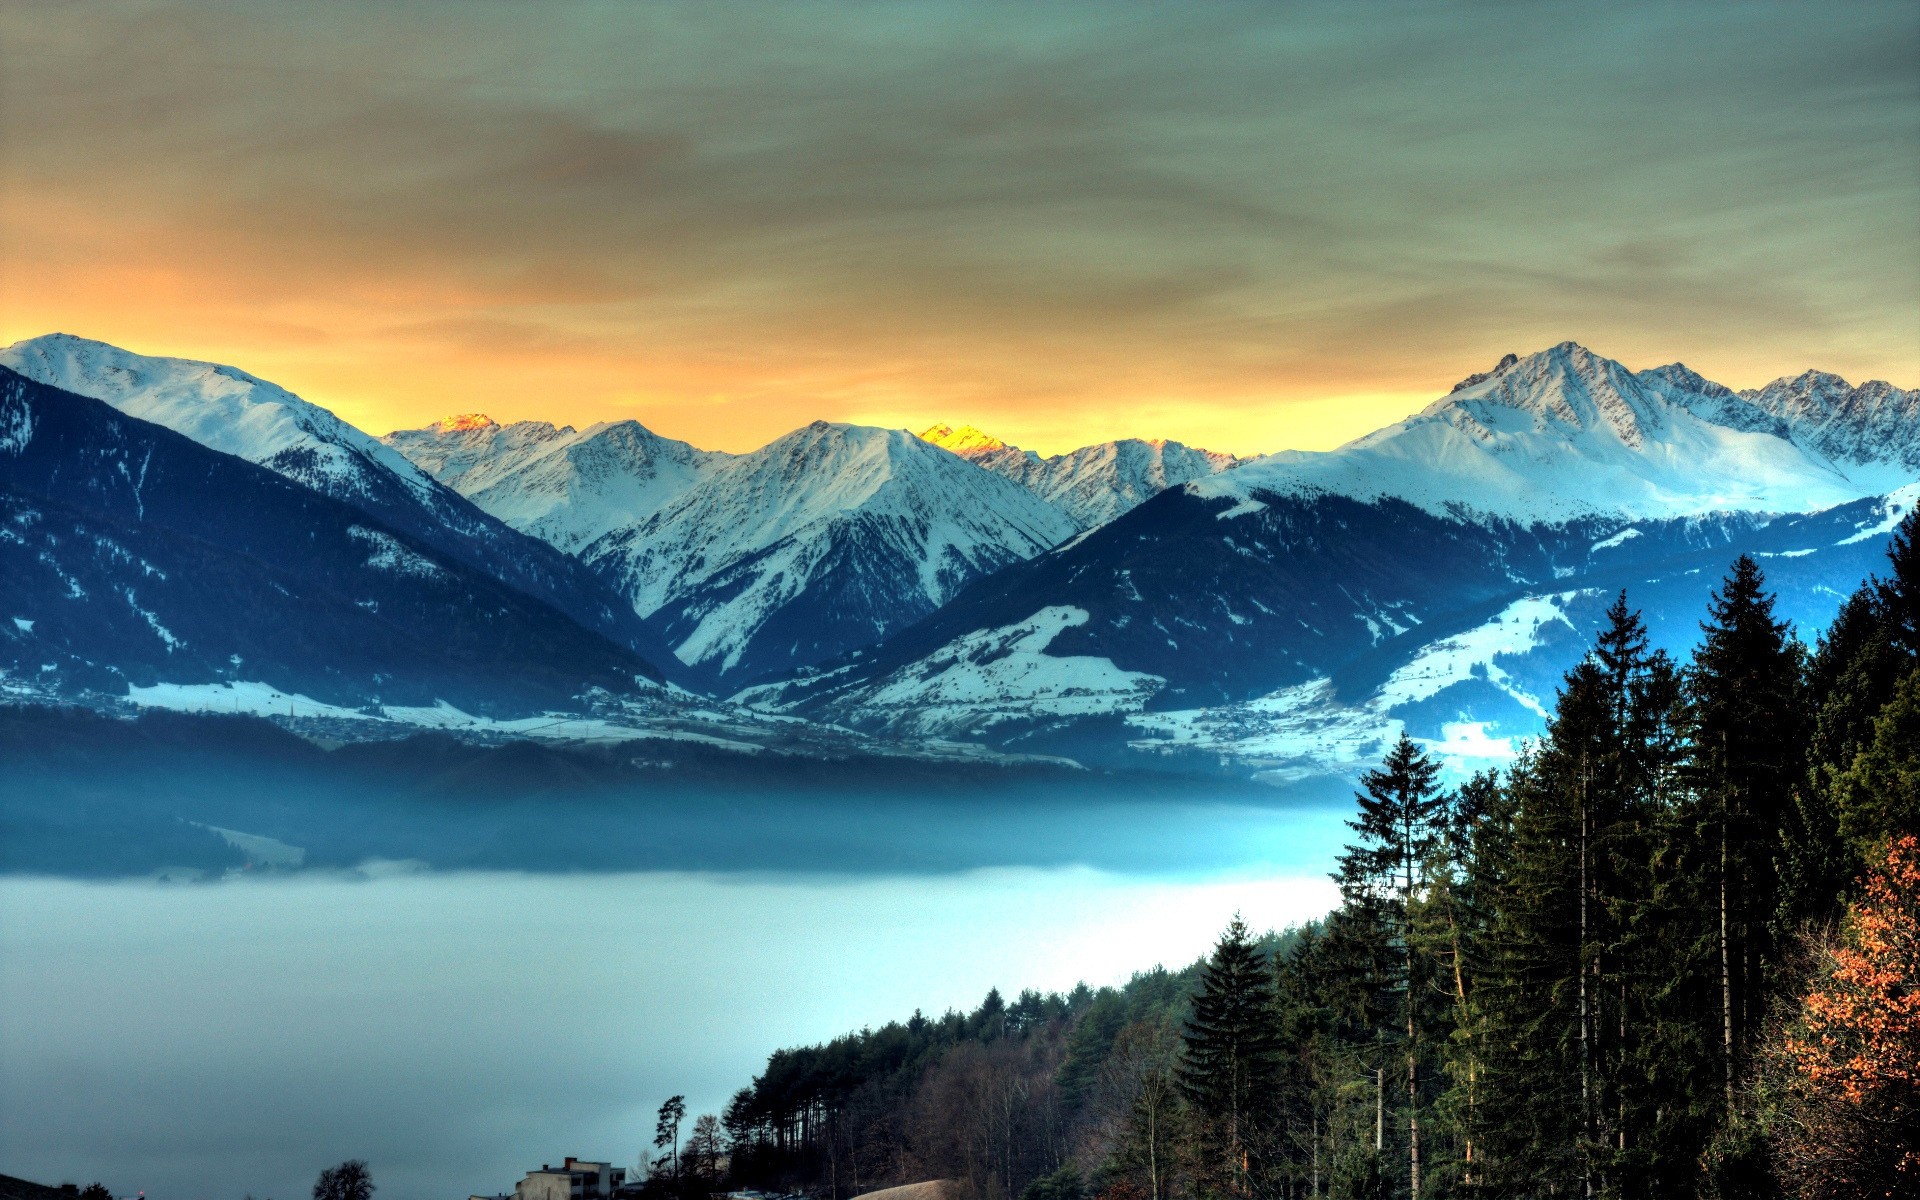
131, 554
230, 411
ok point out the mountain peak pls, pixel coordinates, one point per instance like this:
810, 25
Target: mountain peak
1567, 388
1681, 377
463, 423
962, 441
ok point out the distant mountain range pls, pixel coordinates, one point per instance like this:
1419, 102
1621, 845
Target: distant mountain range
1131, 599
1436, 575
228, 410
1091, 485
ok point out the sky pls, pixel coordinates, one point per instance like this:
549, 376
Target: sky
1244, 226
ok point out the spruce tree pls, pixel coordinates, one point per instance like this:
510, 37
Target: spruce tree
1380, 875
1229, 1069
1900, 591
1748, 746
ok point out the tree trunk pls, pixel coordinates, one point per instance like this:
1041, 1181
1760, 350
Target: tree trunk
1466, 1021
1586, 1048
1379, 1110
1316, 1156
1726, 972
1413, 1060
1413, 1117
1153, 1148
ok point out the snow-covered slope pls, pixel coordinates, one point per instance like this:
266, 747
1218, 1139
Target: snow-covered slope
562, 485
1093, 484
1870, 432
1410, 578
827, 539
228, 410
223, 408
1566, 433
132, 555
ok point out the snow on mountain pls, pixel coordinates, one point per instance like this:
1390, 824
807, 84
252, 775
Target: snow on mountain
1436, 575
967, 441
1566, 433
453, 447
1000, 674
561, 485
1149, 637
133, 555
1093, 484
223, 408
824, 540
1870, 432
228, 410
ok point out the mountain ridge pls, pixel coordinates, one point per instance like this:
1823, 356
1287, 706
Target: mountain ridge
888, 526
234, 412
136, 556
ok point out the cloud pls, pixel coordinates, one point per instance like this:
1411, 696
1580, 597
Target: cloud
1045, 223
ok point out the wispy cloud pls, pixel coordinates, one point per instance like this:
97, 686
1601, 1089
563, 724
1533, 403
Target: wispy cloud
1062, 222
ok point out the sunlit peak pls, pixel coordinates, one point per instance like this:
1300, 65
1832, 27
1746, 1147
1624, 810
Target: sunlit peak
964, 440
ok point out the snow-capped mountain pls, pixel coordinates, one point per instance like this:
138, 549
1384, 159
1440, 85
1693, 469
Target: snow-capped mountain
229, 410
1093, 484
133, 556
561, 485
1565, 433
1287, 593
824, 540
1870, 432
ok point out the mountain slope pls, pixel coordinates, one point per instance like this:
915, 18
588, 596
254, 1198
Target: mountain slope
1091, 485
561, 485
1303, 583
235, 413
824, 540
132, 555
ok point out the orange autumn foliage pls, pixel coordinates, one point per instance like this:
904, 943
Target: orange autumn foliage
1857, 1043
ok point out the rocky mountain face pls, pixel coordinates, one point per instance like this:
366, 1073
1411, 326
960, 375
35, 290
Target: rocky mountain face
228, 410
1091, 485
1872, 432
133, 556
827, 539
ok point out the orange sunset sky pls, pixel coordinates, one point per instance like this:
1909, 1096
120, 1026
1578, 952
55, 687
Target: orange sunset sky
1244, 227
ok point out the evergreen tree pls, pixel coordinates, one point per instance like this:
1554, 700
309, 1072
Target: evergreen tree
1748, 749
1581, 952
1450, 926
1900, 592
1380, 875
1878, 796
1230, 1063
666, 1131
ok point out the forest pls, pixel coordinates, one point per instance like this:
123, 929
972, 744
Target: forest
1672, 951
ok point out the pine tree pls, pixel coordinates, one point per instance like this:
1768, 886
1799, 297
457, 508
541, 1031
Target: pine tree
1579, 952
1450, 924
1900, 592
1748, 746
1229, 1068
1380, 876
